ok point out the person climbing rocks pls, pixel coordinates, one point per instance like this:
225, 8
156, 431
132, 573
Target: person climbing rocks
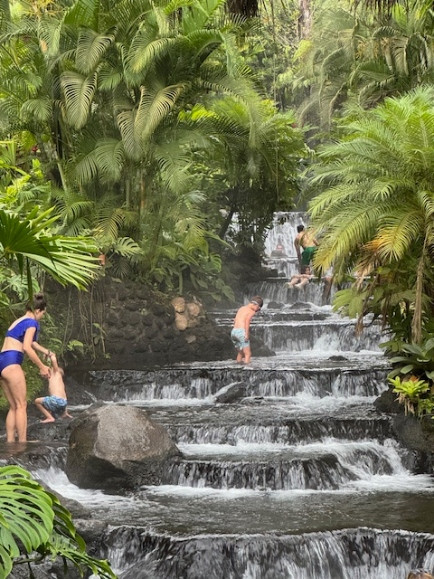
306, 242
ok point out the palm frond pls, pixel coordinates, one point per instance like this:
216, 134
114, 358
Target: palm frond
39, 109
105, 160
78, 91
83, 13
91, 47
145, 51
69, 260
33, 520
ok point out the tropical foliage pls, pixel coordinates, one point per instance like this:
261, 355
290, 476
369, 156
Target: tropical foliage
34, 526
358, 55
31, 241
412, 393
259, 151
99, 90
375, 214
412, 359
150, 118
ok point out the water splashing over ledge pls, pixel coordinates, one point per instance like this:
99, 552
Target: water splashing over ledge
298, 477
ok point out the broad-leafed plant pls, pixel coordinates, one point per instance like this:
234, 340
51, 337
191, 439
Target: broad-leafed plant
34, 526
410, 393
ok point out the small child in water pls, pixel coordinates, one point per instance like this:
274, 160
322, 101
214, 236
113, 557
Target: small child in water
54, 405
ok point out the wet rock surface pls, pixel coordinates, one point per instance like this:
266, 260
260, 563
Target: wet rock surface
130, 327
113, 447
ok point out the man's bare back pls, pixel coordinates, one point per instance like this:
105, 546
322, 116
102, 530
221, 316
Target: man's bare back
307, 240
304, 241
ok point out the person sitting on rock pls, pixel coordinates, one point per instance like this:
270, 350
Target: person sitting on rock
299, 280
54, 405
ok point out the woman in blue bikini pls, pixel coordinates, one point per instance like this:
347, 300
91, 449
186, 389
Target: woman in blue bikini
21, 338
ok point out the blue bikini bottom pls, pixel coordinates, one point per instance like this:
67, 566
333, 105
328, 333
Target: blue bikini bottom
9, 357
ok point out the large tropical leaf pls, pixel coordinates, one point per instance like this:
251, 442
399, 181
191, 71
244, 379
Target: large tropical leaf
34, 523
79, 91
69, 260
91, 48
26, 516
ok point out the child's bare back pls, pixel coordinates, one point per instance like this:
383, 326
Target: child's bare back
243, 315
56, 386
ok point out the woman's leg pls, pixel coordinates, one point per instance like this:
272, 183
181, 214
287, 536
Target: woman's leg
10, 416
14, 386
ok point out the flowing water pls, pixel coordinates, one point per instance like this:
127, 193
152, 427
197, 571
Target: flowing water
300, 478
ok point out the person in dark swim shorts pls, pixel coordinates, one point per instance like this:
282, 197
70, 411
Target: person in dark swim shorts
307, 255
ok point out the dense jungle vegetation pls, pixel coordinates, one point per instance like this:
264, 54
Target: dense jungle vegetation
137, 129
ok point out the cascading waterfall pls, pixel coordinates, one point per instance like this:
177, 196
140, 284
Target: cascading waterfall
298, 477
324, 555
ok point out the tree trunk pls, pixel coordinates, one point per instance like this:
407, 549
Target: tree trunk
416, 325
305, 19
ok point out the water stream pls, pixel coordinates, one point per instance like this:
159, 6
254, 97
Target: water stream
299, 479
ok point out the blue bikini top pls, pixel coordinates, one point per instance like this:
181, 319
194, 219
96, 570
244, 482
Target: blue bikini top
19, 330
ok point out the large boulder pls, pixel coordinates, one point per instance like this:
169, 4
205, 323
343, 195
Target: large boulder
115, 447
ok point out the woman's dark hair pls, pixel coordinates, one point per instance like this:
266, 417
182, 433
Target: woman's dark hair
38, 303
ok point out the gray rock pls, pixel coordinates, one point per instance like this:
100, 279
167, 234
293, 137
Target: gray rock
114, 447
231, 392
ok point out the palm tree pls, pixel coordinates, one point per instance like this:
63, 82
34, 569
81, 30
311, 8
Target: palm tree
375, 214
401, 53
260, 150
324, 64
122, 72
361, 55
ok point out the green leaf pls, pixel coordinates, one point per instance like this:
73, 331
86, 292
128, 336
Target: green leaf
33, 520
